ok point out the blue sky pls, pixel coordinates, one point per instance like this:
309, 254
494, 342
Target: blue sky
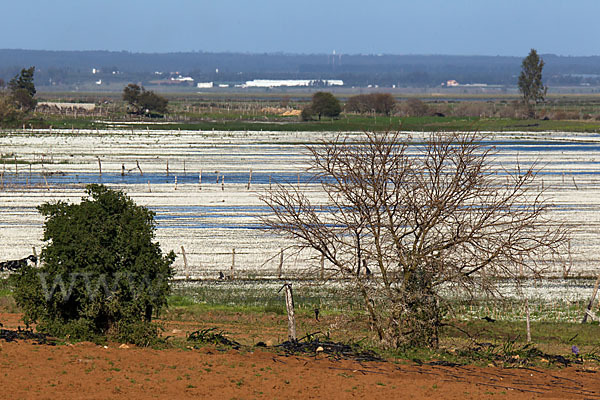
465, 27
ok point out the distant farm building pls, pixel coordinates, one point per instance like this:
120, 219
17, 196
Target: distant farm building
174, 80
183, 79
204, 85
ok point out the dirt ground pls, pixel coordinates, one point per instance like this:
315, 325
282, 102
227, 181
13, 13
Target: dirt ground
90, 371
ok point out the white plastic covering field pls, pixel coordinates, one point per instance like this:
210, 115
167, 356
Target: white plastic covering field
211, 219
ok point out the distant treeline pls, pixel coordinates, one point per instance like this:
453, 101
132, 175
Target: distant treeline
55, 68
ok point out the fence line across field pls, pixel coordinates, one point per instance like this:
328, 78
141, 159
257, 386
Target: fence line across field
247, 262
9, 176
244, 261
285, 262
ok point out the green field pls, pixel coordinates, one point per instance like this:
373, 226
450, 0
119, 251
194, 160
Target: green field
347, 123
263, 112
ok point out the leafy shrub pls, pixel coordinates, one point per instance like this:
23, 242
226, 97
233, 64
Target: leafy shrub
144, 102
325, 104
8, 113
307, 113
101, 272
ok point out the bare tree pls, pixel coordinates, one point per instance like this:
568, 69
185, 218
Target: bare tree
382, 103
416, 107
403, 222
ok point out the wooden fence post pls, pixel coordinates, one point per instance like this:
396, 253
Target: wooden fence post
591, 303
223, 182
521, 270
528, 320
122, 169
565, 269
167, 168
280, 268
249, 179
138, 165
35, 255
289, 305
322, 267
232, 272
185, 264
200, 180
99, 166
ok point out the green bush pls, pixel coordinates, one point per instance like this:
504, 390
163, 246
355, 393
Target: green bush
325, 104
307, 113
101, 274
9, 115
144, 102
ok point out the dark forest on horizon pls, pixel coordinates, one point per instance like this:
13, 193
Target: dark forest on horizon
64, 68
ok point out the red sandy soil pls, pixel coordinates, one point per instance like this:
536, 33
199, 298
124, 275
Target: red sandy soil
89, 371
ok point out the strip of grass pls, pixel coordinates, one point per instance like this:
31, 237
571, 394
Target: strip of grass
415, 124
462, 341
559, 334
347, 123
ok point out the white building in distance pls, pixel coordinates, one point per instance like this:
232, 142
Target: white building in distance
180, 78
269, 83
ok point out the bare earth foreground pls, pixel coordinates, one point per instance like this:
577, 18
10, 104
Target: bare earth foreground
90, 371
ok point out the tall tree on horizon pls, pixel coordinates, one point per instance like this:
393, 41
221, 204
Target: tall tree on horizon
530, 82
23, 90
